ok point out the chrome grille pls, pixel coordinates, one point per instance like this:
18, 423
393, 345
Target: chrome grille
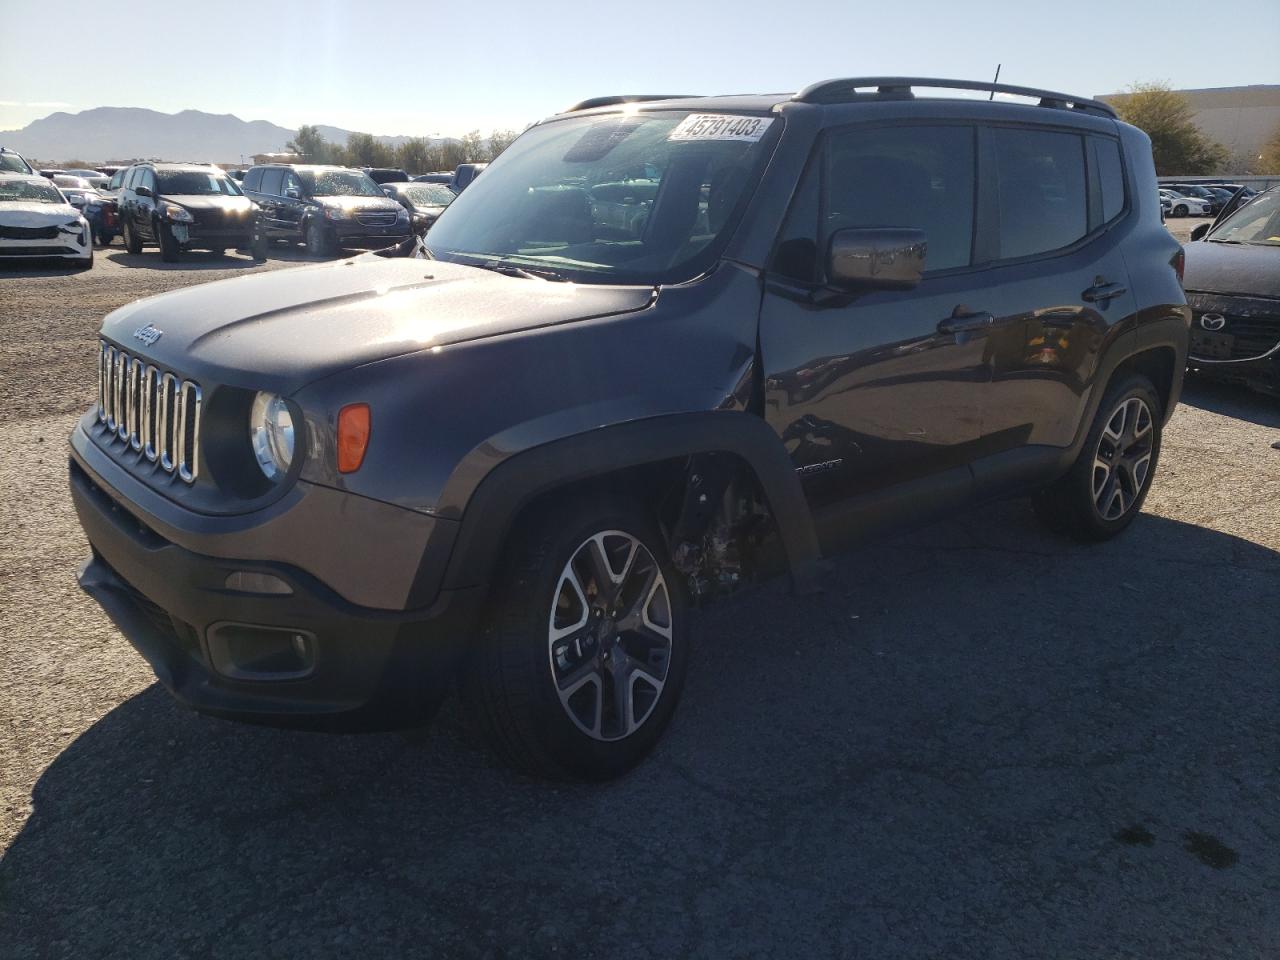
377, 219
150, 411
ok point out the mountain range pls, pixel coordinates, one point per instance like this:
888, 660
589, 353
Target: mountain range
104, 134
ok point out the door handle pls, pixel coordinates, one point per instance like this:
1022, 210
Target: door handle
966, 322
1103, 290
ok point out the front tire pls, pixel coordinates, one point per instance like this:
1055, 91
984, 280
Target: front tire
131, 242
317, 239
1105, 488
1180, 210
168, 243
582, 661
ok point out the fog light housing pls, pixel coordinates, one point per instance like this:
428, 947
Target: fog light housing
242, 651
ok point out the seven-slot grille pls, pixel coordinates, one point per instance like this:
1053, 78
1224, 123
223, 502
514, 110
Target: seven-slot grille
377, 219
151, 411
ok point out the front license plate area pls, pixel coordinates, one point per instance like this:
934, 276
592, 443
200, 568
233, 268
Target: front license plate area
1212, 346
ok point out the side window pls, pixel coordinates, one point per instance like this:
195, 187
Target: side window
271, 179
148, 179
1042, 196
911, 176
291, 180
131, 178
253, 178
1110, 176
117, 179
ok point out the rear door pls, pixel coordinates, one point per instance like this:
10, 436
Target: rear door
884, 389
146, 206
270, 193
1058, 282
289, 208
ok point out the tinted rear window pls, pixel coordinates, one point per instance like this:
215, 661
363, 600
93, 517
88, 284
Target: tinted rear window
253, 178
1110, 177
1042, 194
271, 180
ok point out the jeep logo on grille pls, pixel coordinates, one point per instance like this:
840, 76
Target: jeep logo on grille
148, 334
1213, 321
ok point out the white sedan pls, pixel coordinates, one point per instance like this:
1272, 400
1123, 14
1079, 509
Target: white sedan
1180, 206
37, 222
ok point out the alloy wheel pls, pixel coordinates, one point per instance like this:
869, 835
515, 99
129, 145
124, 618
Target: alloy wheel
1122, 460
609, 635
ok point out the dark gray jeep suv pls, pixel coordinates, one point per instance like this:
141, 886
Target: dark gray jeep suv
663, 347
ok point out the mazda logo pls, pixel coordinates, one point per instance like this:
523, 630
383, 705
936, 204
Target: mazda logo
1213, 321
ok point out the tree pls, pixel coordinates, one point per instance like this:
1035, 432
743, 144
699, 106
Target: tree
1178, 146
311, 146
499, 140
364, 150
415, 156
452, 153
473, 148
1269, 162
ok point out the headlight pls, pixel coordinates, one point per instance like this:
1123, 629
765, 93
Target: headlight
335, 213
176, 213
402, 214
271, 432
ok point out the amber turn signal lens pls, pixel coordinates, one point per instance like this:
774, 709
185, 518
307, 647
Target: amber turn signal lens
353, 436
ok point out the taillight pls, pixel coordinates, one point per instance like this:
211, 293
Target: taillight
353, 436
1179, 263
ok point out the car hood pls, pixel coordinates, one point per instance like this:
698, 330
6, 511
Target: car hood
197, 202
1232, 268
350, 204
36, 214
287, 328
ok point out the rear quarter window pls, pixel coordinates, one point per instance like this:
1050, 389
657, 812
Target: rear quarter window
253, 179
1041, 191
271, 180
1110, 177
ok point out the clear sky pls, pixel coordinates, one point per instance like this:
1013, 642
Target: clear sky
445, 68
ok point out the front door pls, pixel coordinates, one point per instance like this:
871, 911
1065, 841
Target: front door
874, 391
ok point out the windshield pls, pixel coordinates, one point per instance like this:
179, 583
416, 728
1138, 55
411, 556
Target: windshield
29, 191
428, 195
13, 163
1258, 221
75, 183
340, 183
176, 183
641, 198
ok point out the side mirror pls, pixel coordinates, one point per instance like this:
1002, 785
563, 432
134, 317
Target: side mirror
876, 258
1199, 232
293, 193
143, 191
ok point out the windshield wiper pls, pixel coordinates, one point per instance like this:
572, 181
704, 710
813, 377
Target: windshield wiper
511, 270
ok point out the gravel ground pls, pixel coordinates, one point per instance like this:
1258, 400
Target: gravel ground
982, 742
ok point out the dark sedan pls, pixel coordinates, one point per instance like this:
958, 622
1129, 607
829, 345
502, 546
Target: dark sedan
424, 201
1233, 286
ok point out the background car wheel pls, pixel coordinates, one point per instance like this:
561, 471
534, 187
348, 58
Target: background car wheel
317, 239
1180, 210
258, 248
1109, 481
168, 243
582, 660
131, 241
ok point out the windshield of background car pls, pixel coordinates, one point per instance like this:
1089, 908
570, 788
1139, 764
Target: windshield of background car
428, 195
30, 192
177, 183
1258, 221
633, 198
12, 163
340, 183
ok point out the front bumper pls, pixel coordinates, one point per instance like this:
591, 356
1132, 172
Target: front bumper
77, 245
1260, 373
209, 640
353, 235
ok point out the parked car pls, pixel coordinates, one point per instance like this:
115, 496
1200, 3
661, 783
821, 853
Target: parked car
445, 178
381, 175
1183, 206
103, 217
522, 457
13, 162
424, 201
51, 173
1195, 190
183, 206
325, 207
96, 178
77, 190
465, 175
37, 222
1233, 287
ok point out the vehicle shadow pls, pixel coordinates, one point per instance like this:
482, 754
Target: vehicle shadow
188, 260
1231, 400
981, 741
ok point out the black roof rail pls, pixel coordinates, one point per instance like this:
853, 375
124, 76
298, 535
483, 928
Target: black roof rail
626, 98
845, 90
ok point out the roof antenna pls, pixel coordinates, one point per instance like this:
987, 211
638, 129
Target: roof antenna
995, 81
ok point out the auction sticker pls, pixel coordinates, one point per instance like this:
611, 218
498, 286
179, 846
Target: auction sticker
720, 126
